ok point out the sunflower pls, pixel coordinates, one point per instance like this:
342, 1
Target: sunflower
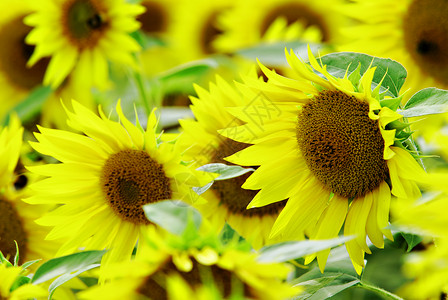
17, 218
227, 201
414, 32
427, 268
313, 21
326, 145
81, 36
104, 178
195, 28
162, 263
16, 79
8, 276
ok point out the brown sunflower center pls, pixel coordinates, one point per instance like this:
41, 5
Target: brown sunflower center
14, 54
155, 19
130, 179
230, 192
426, 36
210, 32
84, 22
11, 229
341, 145
154, 286
294, 12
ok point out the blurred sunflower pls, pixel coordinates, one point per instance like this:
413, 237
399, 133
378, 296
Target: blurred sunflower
328, 146
104, 178
414, 32
81, 36
312, 21
227, 272
427, 268
227, 201
16, 79
17, 218
195, 28
8, 276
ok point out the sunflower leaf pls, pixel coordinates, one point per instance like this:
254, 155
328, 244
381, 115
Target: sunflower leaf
426, 102
66, 264
412, 240
286, 251
225, 171
326, 287
394, 73
66, 277
173, 216
30, 107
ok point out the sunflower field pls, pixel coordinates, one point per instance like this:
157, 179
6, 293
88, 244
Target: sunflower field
251, 149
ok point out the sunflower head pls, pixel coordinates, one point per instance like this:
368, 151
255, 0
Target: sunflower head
82, 36
333, 145
199, 265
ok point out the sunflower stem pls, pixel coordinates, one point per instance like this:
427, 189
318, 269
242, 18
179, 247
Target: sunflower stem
383, 293
141, 89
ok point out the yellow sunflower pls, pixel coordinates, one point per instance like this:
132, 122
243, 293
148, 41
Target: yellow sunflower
81, 36
9, 275
17, 218
104, 178
16, 79
325, 145
227, 201
428, 268
227, 271
195, 28
413, 32
313, 21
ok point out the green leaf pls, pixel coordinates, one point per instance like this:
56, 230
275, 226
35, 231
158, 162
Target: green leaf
225, 171
30, 263
146, 41
172, 215
66, 264
3, 260
21, 280
66, 277
179, 79
273, 54
394, 73
412, 240
291, 250
426, 102
31, 106
326, 287
202, 189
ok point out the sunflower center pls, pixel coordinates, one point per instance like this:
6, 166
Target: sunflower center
11, 229
154, 19
426, 36
294, 12
341, 145
131, 179
84, 22
229, 191
210, 32
154, 286
14, 54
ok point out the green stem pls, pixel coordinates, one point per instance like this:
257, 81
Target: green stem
383, 293
141, 89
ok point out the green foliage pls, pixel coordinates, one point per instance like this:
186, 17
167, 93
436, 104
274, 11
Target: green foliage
426, 102
67, 264
31, 106
173, 216
412, 240
394, 74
